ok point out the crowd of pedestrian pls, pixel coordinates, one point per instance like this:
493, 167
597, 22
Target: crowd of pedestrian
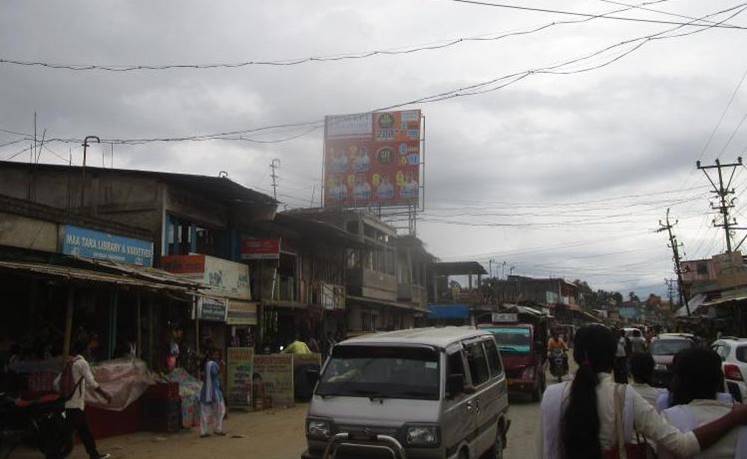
603, 414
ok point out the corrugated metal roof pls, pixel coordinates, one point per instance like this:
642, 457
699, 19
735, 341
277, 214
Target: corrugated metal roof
221, 188
86, 275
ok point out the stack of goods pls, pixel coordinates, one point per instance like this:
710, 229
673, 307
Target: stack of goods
189, 392
162, 408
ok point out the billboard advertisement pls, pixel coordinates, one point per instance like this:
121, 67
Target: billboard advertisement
372, 159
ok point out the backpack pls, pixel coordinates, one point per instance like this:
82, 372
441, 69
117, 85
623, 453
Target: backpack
68, 385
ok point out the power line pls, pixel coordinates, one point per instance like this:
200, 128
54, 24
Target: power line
404, 50
471, 90
574, 13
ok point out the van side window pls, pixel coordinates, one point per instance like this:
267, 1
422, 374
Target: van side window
454, 365
494, 361
478, 364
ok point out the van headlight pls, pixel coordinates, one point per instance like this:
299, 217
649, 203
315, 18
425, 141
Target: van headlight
422, 435
318, 429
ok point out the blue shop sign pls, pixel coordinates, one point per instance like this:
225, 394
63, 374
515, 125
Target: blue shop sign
84, 242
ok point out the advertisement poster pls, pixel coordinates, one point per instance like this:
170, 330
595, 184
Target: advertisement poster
276, 372
222, 277
84, 242
372, 159
240, 368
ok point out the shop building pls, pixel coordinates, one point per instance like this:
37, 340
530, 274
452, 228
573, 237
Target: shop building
384, 272
73, 277
192, 216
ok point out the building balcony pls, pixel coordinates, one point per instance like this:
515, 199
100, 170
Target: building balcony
414, 294
371, 284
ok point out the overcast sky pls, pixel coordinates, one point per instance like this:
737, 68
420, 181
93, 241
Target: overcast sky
556, 175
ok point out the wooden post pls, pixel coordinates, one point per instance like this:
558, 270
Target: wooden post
139, 325
151, 329
197, 325
69, 320
113, 324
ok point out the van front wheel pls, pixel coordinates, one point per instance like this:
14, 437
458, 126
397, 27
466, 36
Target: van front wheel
496, 452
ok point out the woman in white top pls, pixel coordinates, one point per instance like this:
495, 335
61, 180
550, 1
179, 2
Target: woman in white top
696, 379
591, 416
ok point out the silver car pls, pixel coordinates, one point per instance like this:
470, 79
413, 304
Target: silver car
422, 393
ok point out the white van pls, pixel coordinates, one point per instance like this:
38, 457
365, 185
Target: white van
422, 393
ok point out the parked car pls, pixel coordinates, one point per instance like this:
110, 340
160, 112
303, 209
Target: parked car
422, 393
733, 352
523, 357
663, 347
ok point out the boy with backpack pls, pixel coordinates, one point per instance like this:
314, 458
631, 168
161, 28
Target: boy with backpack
73, 382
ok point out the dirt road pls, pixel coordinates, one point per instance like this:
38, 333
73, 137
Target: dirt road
275, 434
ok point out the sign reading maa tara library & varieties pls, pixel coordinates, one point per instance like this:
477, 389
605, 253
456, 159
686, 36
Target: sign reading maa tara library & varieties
84, 242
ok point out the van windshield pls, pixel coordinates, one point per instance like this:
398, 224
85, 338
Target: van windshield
512, 340
381, 372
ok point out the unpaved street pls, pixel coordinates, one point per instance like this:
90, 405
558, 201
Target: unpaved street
275, 434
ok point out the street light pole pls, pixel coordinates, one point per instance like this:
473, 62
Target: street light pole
83, 169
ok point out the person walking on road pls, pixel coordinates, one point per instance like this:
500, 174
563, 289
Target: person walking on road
638, 342
621, 359
593, 417
76, 378
642, 368
212, 403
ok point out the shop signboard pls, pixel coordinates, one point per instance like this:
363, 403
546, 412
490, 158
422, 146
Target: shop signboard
275, 372
240, 369
221, 277
260, 249
213, 309
85, 242
372, 159
241, 313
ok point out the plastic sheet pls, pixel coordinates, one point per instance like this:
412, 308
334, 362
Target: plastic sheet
125, 379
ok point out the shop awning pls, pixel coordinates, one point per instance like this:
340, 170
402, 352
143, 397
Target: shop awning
448, 311
80, 275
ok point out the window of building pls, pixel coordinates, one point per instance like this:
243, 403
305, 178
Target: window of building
702, 269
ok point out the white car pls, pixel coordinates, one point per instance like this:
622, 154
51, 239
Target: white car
733, 353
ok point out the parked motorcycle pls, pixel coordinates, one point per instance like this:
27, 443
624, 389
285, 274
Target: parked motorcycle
558, 364
39, 422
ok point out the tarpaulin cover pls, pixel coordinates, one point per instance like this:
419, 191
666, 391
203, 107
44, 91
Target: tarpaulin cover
189, 392
125, 379
448, 311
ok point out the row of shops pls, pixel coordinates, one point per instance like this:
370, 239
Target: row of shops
152, 269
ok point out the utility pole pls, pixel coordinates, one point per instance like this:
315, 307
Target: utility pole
490, 267
723, 193
274, 165
670, 291
83, 169
675, 246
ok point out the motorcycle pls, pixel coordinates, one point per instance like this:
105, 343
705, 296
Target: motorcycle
39, 422
558, 364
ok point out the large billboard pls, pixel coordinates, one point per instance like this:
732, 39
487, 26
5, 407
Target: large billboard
372, 159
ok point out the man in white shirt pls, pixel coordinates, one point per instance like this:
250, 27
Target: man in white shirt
82, 379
